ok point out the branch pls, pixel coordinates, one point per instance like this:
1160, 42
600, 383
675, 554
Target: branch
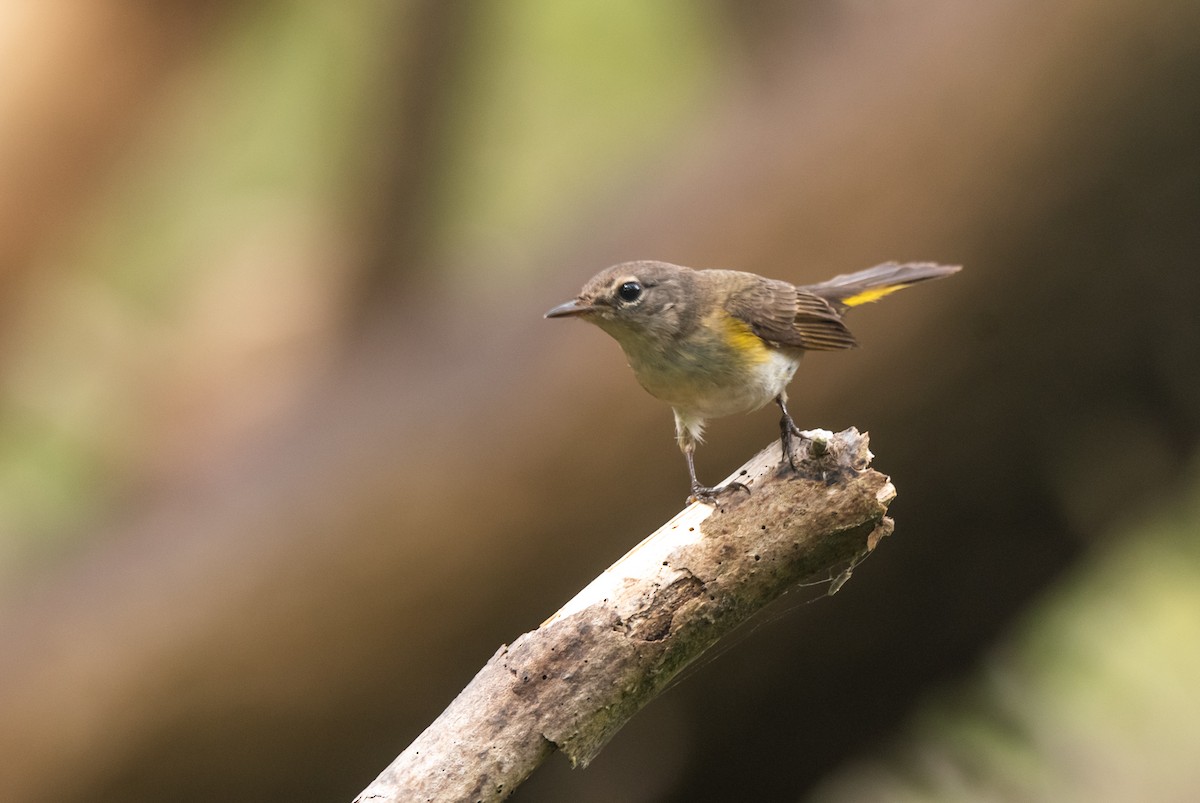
575, 680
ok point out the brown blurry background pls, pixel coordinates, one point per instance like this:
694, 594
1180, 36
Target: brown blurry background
287, 450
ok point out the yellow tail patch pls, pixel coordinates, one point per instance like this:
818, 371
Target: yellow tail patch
873, 294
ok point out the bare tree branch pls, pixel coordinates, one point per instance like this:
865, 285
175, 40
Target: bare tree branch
572, 683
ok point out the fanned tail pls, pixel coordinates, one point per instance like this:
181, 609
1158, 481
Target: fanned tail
872, 284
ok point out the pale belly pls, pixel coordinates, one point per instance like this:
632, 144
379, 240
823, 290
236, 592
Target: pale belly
710, 391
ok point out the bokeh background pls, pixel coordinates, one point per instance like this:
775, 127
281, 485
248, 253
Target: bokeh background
287, 450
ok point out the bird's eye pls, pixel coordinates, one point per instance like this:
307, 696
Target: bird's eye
630, 292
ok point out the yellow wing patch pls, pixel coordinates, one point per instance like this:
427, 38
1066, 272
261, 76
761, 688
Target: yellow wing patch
738, 335
873, 294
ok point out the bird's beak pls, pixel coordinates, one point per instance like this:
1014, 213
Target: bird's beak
572, 307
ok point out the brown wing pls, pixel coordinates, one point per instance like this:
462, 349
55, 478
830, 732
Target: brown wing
786, 315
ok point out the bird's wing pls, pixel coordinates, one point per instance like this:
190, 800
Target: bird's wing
785, 315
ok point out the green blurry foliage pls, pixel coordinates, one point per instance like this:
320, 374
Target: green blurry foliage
559, 97
1092, 697
266, 139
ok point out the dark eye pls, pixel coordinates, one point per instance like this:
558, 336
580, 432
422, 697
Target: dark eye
630, 291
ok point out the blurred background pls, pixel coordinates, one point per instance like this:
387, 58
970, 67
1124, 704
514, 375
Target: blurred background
287, 450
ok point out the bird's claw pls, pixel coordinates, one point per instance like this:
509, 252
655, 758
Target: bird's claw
702, 494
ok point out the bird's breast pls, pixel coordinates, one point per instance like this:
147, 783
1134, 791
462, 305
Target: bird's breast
721, 368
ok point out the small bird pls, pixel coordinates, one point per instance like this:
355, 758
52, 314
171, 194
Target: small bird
712, 343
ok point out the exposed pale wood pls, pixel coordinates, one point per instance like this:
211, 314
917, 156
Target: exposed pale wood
575, 680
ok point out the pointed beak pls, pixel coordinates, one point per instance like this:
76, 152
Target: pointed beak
572, 307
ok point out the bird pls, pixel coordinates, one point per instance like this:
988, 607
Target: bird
711, 343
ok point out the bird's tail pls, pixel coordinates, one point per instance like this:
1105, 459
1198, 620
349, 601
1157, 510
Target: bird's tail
872, 284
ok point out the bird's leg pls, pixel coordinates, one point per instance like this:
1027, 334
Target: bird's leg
816, 453
700, 493
787, 430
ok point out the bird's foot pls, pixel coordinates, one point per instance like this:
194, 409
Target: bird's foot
788, 434
817, 458
711, 495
